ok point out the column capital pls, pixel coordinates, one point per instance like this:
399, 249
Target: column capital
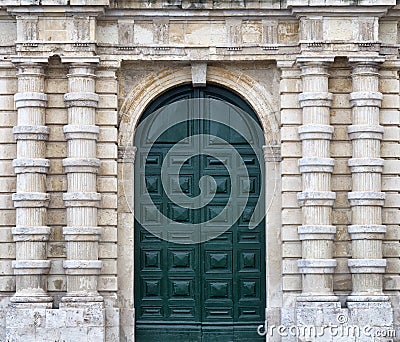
367, 60
30, 60
127, 154
314, 60
80, 60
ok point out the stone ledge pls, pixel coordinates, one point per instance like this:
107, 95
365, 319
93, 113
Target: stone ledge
82, 233
88, 132
367, 265
30, 267
31, 132
31, 165
359, 165
81, 199
365, 99
34, 233
82, 267
360, 198
316, 266
316, 232
365, 132
315, 99
367, 232
319, 198
316, 165
81, 99
84, 165
30, 100
316, 132
30, 199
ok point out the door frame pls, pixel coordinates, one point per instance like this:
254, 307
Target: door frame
147, 90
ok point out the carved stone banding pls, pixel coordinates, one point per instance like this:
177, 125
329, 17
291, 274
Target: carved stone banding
359, 165
316, 132
358, 198
88, 132
81, 99
29, 267
365, 132
31, 233
367, 232
316, 165
82, 267
366, 99
81, 199
30, 99
76, 165
31, 165
82, 233
316, 232
367, 265
315, 99
31, 132
319, 198
30, 199
316, 266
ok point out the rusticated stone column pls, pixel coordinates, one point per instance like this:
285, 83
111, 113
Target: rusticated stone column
31, 200
316, 198
81, 200
366, 199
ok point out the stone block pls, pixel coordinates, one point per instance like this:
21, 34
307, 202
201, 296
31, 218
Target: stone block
390, 150
108, 266
55, 319
289, 101
73, 334
389, 117
109, 234
108, 101
291, 250
291, 116
291, 283
291, 183
107, 151
56, 116
290, 133
290, 85
292, 216
106, 117
109, 201
107, 283
55, 101
108, 134
107, 184
289, 233
390, 101
291, 149
340, 116
107, 217
108, 168
107, 251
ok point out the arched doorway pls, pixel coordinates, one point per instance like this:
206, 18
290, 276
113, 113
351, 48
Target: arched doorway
196, 280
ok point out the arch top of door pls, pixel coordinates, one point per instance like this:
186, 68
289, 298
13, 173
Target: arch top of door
154, 84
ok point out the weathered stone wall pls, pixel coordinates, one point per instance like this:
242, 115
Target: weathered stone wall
306, 70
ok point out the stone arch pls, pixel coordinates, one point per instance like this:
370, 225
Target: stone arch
148, 89
156, 83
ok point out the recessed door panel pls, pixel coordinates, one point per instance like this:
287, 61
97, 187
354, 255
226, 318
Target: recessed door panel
184, 290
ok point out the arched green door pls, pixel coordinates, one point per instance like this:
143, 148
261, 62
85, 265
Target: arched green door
186, 290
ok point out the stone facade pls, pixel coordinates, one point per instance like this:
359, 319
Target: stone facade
75, 77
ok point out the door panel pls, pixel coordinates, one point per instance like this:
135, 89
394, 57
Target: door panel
215, 290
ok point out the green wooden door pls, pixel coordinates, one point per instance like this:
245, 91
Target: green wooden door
188, 291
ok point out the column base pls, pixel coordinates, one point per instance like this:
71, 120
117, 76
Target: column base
88, 298
367, 298
26, 299
317, 298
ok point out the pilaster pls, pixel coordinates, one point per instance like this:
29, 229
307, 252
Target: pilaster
316, 199
31, 200
366, 199
81, 199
